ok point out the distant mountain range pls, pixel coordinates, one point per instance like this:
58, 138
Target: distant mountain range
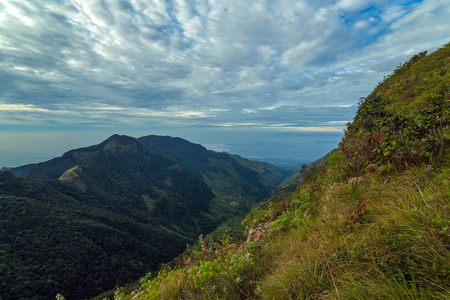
106, 214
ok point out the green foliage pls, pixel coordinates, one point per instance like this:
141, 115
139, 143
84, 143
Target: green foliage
208, 270
405, 117
387, 169
256, 217
288, 220
337, 167
118, 210
402, 136
152, 286
51, 243
235, 179
231, 268
371, 110
359, 149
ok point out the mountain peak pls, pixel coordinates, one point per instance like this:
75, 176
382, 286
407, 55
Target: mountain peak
120, 139
121, 143
118, 136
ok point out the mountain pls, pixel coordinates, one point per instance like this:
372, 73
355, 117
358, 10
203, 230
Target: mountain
237, 183
20, 170
54, 168
231, 177
372, 222
107, 214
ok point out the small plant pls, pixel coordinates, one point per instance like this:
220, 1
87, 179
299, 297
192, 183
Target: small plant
256, 217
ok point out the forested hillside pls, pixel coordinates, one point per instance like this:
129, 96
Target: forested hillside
107, 214
373, 223
51, 243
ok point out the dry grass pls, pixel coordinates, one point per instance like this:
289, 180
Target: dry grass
387, 237
380, 240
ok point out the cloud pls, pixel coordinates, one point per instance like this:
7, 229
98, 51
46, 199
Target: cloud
20, 107
198, 63
237, 124
305, 129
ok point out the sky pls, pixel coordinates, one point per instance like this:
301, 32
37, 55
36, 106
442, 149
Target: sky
263, 79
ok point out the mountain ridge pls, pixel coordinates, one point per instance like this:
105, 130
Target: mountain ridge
131, 208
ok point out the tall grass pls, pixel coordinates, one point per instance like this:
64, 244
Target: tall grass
380, 240
386, 237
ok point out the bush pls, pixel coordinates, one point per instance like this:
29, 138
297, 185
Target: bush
359, 149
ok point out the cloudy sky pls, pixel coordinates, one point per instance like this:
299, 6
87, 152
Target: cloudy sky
260, 78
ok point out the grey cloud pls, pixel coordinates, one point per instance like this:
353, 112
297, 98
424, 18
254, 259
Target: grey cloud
211, 54
156, 98
298, 83
189, 67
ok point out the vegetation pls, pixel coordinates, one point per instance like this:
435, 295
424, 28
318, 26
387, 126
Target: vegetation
52, 243
403, 120
232, 178
106, 215
374, 223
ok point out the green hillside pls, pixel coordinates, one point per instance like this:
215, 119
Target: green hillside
105, 215
233, 178
52, 243
373, 223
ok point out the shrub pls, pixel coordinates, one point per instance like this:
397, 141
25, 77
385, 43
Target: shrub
359, 149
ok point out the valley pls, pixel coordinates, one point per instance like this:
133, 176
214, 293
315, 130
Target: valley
107, 214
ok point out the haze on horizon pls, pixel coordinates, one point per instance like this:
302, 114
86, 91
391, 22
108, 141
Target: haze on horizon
262, 79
